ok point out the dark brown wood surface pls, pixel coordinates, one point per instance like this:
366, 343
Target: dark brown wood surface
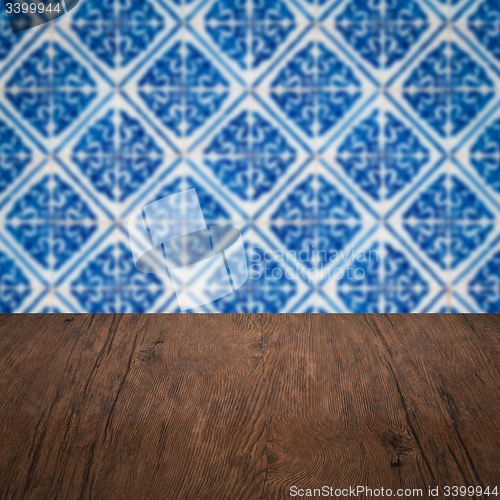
246, 406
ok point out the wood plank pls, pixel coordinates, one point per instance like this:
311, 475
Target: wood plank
399, 401
131, 406
245, 406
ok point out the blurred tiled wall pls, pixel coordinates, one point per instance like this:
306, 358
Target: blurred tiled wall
355, 144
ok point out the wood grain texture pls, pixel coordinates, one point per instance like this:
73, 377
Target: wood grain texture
245, 406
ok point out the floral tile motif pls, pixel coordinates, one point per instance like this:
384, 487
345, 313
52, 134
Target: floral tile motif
248, 29
448, 221
484, 23
50, 89
183, 85
117, 158
382, 154
117, 32
121, 287
8, 40
14, 155
48, 221
249, 155
317, 89
448, 89
355, 144
382, 32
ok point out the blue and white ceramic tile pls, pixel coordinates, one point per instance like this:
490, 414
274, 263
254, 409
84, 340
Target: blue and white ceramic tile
319, 128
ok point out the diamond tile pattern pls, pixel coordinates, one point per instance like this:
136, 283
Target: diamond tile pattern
354, 143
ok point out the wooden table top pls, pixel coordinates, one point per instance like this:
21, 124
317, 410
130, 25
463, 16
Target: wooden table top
246, 406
